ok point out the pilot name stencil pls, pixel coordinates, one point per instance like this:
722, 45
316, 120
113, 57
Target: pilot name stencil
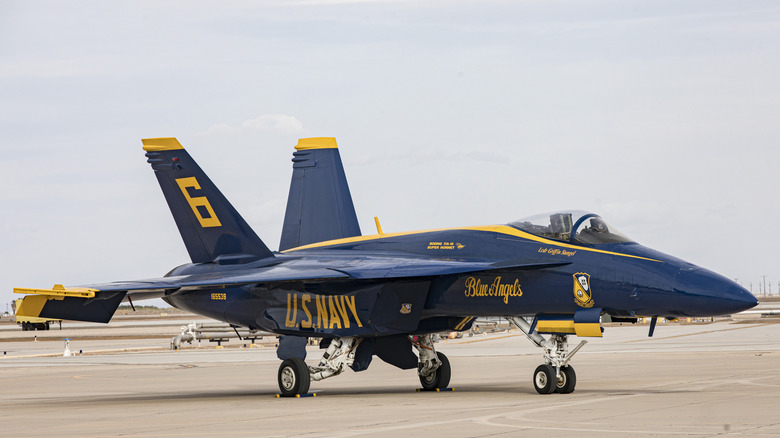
556, 251
475, 288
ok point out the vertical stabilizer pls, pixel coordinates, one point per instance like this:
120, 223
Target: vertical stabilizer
319, 206
211, 228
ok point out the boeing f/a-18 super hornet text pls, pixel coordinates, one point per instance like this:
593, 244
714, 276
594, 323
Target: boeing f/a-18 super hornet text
387, 295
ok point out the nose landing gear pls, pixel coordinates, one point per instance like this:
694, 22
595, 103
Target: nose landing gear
555, 375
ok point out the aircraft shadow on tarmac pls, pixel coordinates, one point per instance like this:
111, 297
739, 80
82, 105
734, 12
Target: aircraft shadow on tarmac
231, 394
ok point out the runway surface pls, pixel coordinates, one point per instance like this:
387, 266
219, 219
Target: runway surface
720, 379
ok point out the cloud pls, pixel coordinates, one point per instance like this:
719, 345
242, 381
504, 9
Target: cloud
266, 122
218, 129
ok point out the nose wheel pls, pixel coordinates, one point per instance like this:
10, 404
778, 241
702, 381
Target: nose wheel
547, 381
544, 379
566, 381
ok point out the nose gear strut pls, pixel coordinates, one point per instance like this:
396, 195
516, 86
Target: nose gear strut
555, 375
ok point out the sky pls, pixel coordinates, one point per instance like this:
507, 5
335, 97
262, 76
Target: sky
662, 116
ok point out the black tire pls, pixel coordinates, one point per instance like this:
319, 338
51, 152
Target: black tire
440, 378
293, 377
544, 379
567, 381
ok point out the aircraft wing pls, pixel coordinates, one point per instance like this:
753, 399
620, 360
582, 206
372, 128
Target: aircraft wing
364, 268
220, 279
407, 268
98, 302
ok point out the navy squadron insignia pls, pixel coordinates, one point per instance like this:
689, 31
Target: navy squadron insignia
582, 292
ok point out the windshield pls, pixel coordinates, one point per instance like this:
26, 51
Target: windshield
573, 227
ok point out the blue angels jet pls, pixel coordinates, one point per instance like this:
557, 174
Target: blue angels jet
388, 294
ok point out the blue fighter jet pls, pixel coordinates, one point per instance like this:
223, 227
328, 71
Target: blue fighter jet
390, 294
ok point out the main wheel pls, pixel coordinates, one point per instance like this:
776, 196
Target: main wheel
566, 381
544, 379
440, 378
294, 377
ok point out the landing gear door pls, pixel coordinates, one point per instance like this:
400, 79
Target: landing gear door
398, 306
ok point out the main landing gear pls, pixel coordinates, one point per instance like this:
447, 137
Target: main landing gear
555, 375
434, 367
295, 376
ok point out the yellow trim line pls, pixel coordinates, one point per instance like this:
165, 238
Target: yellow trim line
500, 229
463, 323
161, 144
316, 143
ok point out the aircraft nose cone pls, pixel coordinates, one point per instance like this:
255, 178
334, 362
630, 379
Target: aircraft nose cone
701, 292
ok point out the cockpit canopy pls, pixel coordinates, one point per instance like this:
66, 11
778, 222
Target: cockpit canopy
577, 227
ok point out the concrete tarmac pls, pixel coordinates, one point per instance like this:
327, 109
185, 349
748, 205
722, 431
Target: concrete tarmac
720, 379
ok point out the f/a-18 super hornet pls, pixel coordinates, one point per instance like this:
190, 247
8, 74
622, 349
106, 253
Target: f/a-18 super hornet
389, 294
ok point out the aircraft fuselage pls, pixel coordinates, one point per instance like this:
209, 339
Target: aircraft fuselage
623, 279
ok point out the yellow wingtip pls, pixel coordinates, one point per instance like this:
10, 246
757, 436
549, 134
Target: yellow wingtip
59, 291
161, 144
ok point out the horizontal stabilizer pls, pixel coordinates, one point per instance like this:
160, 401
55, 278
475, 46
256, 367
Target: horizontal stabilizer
99, 308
